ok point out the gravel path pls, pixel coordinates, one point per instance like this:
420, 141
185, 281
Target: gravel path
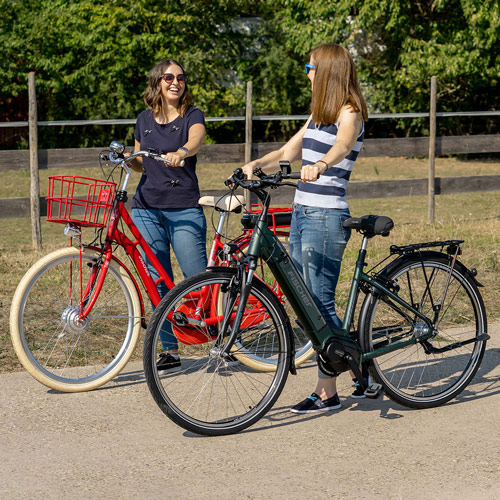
114, 443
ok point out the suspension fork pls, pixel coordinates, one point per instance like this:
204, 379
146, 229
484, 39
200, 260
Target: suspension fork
243, 284
244, 278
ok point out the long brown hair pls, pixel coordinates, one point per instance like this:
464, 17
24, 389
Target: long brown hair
152, 94
335, 84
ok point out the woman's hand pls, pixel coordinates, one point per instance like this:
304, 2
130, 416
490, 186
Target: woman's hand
311, 173
175, 159
136, 163
248, 169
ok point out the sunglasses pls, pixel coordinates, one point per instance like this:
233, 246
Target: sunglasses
309, 67
169, 78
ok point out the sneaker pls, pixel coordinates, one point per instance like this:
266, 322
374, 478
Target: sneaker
359, 392
314, 404
168, 363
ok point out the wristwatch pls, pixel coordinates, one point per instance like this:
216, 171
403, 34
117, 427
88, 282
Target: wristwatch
184, 149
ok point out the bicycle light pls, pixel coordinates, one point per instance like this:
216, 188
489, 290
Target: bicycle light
285, 167
117, 147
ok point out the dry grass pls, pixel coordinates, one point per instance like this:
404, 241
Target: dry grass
17, 182
473, 217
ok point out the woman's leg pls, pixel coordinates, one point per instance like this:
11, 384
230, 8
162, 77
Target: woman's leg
317, 244
188, 236
185, 230
150, 223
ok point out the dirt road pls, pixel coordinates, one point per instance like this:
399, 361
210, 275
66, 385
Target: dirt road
114, 443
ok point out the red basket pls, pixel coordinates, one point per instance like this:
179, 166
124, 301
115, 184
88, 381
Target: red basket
81, 200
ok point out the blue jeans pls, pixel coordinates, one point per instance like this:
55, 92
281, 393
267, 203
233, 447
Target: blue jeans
317, 244
183, 229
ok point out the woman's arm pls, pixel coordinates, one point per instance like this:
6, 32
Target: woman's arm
136, 163
290, 151
349, 128
196, 136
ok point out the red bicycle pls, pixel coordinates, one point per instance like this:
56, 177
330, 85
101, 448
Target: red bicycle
77, 313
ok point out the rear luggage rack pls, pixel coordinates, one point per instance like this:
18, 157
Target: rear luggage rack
453, 247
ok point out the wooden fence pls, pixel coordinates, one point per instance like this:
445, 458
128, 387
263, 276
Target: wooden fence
35, 159
235, 153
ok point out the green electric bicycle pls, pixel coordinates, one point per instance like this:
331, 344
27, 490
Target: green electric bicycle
421, 329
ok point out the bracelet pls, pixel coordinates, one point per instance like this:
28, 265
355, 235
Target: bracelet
322, 161
186, 150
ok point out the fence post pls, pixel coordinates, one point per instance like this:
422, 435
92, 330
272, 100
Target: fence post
432, 152
248, 137
36, 232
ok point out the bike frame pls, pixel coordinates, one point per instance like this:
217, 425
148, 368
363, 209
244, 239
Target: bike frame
133, 250
264, 244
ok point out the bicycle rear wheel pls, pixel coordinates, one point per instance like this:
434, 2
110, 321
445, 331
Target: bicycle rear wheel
51, 342
212, 394
429, 372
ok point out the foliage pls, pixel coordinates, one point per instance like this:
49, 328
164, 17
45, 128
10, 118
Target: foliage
403, 44
91, 59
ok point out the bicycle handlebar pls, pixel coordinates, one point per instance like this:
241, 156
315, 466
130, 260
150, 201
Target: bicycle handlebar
116, 156
273, 180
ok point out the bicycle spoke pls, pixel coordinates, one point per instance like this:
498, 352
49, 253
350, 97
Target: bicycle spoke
214, 393
58, 346
421, 374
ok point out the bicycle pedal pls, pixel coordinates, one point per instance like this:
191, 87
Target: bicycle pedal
373, 391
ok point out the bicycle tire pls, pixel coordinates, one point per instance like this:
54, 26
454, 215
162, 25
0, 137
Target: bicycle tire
210, 395
428, 373
47, 338
302, 345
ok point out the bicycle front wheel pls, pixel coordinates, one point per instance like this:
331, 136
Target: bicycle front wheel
302, 345
214, 394
430, 372
51, 341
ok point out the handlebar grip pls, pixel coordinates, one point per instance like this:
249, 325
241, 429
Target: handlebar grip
181, 164
294, 175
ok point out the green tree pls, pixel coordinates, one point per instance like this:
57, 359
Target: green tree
92, 58
398, 45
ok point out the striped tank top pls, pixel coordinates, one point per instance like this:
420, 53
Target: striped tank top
330, 188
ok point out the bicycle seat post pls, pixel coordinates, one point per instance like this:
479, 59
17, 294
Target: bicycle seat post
353, 293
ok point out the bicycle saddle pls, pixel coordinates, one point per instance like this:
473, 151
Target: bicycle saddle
227, 203
370, 225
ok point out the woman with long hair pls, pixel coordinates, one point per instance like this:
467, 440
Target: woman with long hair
328, 144
165, 207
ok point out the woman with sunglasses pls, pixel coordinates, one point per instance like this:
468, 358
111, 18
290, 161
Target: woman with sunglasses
328, 144
165, 207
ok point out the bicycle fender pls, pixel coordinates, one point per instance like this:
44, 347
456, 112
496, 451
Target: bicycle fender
429, 254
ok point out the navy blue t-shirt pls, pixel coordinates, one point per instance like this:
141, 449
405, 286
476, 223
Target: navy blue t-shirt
161, 186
